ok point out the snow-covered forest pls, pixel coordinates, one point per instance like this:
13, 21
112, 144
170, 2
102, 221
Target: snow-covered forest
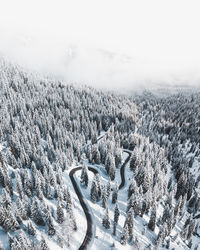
82, 168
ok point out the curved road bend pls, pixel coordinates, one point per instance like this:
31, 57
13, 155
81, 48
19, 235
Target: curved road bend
89, 232
123, 168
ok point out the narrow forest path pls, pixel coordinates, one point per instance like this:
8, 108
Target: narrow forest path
90, 224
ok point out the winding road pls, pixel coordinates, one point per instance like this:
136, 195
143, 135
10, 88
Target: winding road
90, 230
122, 172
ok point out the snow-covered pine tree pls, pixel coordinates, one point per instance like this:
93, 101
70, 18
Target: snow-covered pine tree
98, 182
21, 210
166, 214
181, 185
108, 162
27, 183
31, 229
94, 191
60, 213
129, 222
106, 220
115, 193
152, 221
67, 197
84, 176
133, 161
36, 213
72, 217
118, 157
132, 188
112, 169
191, 229
124, 235
19, 185
116, 218
104, 196
50, 225
108, 188
43, 244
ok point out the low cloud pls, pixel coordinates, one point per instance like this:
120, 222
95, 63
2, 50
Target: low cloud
92, 45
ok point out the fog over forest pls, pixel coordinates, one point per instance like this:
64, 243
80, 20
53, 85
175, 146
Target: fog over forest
107, 44
99, 125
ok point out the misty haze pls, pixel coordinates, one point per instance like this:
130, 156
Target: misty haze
99, 125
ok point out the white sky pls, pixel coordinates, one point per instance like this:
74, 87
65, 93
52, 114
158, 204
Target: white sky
105, 43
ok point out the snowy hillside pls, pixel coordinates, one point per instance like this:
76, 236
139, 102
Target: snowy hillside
87, 169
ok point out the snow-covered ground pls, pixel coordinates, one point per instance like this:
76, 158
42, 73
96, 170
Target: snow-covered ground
104, 238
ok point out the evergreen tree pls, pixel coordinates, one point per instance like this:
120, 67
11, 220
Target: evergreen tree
36, 213
170, 221
116, 218
114, 228
31, 229
106, 220
132, 188
67, 198
112, 170
6, 199
140, 175
97, 157
48, 190
118, 157
133, 161
108, 188
104, 197
152, 221
84, 176
116, 213
166, 214
60, 213
10, 222
27, 184
129, 222
143, 207
98, 183
108, 163
23, 240
115, 193
181, 185
177, 206
39, 187
124, 236
184, 233
21, 210
191, 229
72, 217
135, 203
161, 235
169, 199
94, 191
19, 185
168, 241
89, 155
2, 215
51, 228
43, 245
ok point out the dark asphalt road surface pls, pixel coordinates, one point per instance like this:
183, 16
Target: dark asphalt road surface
89, 232
122, 172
